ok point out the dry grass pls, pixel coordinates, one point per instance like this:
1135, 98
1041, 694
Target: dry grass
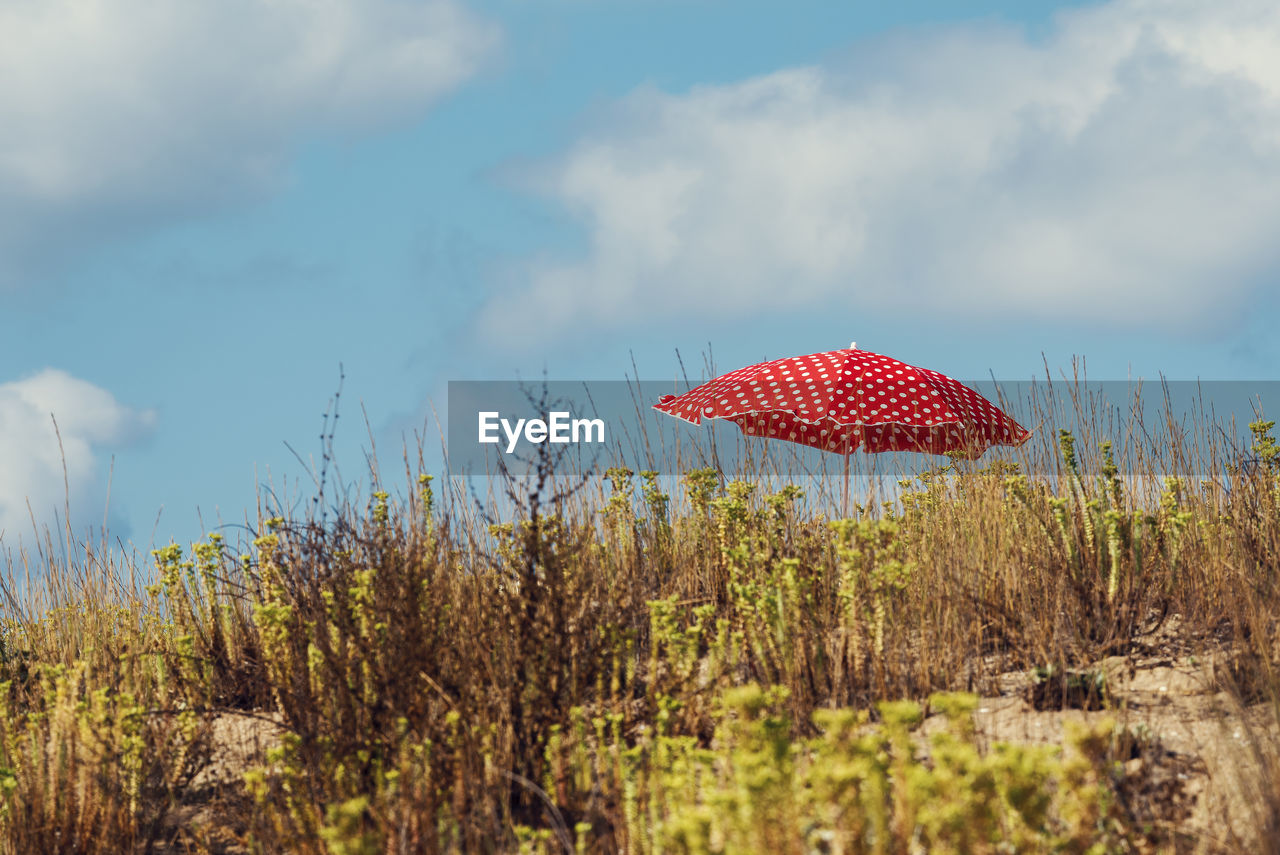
611, 668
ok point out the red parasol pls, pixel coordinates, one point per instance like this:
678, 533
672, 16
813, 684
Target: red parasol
843, 400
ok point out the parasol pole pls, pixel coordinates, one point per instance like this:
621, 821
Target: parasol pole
844, 501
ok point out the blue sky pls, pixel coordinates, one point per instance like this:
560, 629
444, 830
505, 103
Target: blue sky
205, 208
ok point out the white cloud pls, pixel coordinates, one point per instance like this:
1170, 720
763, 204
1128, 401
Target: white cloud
90, 421
1124, 170
119, 113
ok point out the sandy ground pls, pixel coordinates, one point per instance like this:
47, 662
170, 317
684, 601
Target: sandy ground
1203, 749
1201, 758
